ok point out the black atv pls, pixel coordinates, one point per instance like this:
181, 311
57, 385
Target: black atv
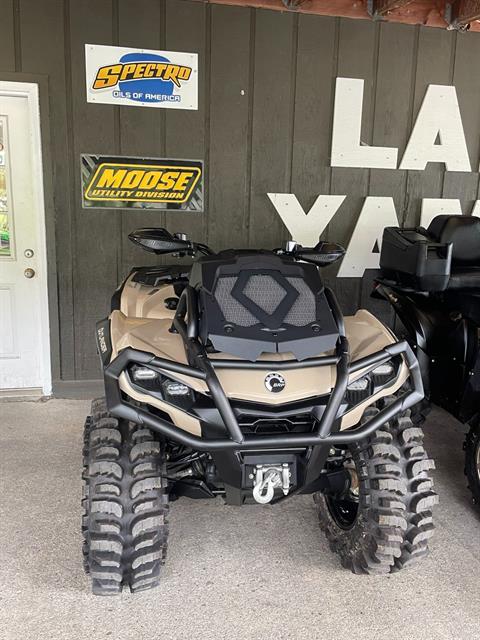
431, 277
239, 377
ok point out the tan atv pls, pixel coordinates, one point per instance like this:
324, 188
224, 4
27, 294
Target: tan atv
239, 377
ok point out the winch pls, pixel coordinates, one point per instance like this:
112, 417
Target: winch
267, 478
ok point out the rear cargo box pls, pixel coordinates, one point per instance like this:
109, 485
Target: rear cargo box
413, 260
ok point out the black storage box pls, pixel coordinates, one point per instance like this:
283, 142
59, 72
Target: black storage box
413, 260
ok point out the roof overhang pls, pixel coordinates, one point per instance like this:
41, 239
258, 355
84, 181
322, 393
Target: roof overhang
460, 15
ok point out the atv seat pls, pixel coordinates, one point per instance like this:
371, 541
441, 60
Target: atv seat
446, 256
463, 232
464, 279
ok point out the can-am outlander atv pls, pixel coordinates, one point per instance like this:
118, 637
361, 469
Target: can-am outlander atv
239, 377
431, 277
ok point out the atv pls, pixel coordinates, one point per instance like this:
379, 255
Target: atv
431, 277
239, 377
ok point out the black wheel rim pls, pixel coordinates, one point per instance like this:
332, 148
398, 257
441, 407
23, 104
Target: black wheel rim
343, 509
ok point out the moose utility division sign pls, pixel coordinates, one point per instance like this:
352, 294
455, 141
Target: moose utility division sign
141, 77
113, 182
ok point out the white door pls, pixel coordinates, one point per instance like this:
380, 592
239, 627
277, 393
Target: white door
24, 343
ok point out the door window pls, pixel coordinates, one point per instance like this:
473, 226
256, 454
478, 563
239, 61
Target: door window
6, 218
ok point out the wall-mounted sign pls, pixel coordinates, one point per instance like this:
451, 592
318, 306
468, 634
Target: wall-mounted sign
146, 183
437, 135
141, 77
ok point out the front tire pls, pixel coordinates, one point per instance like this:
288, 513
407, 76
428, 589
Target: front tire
385, 524
125, 504
472, 461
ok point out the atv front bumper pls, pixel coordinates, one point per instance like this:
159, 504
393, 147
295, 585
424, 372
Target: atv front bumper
326, 426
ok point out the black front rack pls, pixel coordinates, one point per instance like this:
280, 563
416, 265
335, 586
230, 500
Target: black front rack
203, 368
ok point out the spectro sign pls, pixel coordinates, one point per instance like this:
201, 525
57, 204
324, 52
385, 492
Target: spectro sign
141, 77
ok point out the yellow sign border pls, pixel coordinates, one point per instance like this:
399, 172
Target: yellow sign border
142, 166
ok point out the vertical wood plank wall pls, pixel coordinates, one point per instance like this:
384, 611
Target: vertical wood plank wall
263, 124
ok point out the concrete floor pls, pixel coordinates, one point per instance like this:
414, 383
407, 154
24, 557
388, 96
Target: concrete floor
251, 572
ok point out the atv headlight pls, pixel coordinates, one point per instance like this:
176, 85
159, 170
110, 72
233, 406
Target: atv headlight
361, 384
177, 393
162, 387
144, 373
145, 377
175, 389
383, 374
358, 390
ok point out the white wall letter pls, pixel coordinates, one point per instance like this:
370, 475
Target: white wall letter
376, 214
347, 150
476, 209
305, 228
432, 207
439, 116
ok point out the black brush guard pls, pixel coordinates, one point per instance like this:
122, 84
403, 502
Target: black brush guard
203, 368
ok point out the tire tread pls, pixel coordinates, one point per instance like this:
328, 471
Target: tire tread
395, 501
125, 504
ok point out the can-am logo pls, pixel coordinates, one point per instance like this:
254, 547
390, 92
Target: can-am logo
116, 75
275, 382
102, 343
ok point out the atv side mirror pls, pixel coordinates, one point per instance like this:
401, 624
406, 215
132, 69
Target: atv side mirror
159, 240
323, 254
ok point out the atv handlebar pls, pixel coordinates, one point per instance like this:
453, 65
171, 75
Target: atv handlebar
160, 241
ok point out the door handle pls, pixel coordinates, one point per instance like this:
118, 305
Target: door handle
29, 273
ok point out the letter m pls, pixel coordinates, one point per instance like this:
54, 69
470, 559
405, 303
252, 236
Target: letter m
111, 178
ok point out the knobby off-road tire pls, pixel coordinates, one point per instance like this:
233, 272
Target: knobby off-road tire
393, 522
125, 504
472, 461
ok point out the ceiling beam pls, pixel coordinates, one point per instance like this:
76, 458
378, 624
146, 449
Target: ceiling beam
461, 13
292, 4
430, 13
381, 8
